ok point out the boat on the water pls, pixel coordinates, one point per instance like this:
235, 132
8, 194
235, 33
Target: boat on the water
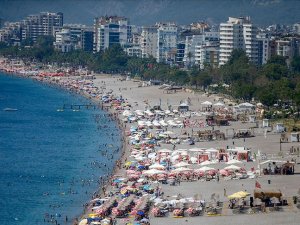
59, 110
10, 109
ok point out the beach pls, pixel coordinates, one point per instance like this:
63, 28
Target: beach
268, 145
132, 95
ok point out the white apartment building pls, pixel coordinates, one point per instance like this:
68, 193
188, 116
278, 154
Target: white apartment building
41, 24
166, 42
296, 28
286, 47
148, 42
263, 47
190, 46
11, 33
109, 31
238, 33
196, 40
133, 50
73, 36
63, 41
207, 53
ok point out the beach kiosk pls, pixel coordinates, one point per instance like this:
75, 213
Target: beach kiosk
295, 137
265, 123
183, 107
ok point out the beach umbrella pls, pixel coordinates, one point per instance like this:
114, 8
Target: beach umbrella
224, 172
164, 150
193, 160
211, 150
153, 172
234, 161
275, 200
141, 213
157, 166
206, 168
127, 113
182, 169
240, 194
205, 163
206, 103
181, 164
140, 158
145, 220
232, 167
97, 223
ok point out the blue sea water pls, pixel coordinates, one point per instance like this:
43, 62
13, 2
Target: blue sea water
50, 161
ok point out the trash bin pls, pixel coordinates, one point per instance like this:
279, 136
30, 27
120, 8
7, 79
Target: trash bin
269, 181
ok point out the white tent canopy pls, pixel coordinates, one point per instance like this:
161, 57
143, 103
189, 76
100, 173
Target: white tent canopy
206, 103
220, 104
232, 167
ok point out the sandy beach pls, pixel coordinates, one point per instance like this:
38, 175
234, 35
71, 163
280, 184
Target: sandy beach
289, 185
262, 143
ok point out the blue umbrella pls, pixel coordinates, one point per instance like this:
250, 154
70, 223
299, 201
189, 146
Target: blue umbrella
147, 187
141, 213
141, 167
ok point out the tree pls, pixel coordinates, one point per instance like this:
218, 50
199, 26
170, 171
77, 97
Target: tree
295, 64
277, 59
275, 71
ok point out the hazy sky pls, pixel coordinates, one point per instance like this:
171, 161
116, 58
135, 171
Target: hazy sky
140, 12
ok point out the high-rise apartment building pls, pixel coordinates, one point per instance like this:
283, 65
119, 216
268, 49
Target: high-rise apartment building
148, 42
166, 42
263, 48
41, 24
11, 33
238, 33
87, 38
109, 31
207, 54
191, 42
286, 47
74, 36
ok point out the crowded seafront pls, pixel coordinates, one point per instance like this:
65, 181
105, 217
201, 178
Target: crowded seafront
188, 157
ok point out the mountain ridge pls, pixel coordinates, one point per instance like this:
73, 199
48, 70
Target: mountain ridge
147, 12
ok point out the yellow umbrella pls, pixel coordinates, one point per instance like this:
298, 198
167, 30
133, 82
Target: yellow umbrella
240, 194
128, 163
93, 215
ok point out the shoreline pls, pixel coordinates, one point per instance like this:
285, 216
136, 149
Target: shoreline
117, 166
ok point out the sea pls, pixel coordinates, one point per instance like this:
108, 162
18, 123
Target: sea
51, 161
